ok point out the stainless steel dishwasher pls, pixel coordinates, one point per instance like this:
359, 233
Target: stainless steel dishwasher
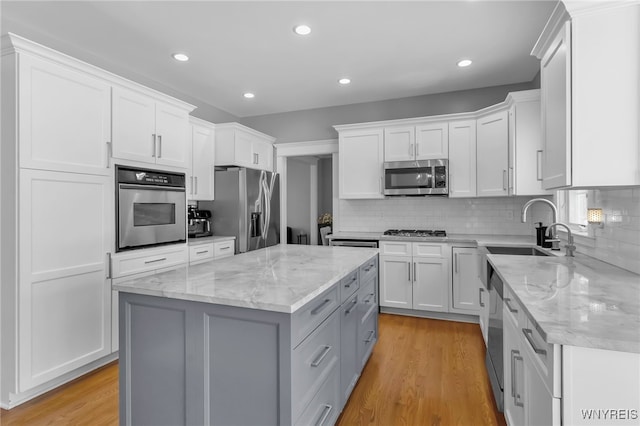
494, 358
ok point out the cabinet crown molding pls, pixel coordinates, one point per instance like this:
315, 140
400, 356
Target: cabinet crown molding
238, 126
512, 97
12, 43
201, 122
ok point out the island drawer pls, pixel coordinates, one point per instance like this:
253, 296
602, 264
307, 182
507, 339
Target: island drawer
367, 300
368, 270
312, 361
513, 309
395, 248
349, 285
307, 318
367, 336
146, 260
200, 253
324, 408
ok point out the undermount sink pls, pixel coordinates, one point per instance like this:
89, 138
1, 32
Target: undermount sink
520, 251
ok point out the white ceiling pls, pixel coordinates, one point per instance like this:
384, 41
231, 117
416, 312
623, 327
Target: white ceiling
390, 49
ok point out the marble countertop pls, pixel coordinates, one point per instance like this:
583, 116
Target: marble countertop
282, 278
576, 301
211, 239
473, 239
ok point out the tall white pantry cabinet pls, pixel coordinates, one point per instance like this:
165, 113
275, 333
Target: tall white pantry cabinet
57, 218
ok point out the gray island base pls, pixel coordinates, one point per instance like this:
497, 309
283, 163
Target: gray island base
192, 353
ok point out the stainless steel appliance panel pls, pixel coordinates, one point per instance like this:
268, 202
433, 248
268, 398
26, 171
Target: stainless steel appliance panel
354, 243
150, 212
423, 177
494, 357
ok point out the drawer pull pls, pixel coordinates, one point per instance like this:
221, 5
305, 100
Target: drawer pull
321, 307
155, 260
225, 248
325, 351
370, 338
202, 252
368, 268
511, 308
355, 277
528, 333
325, 414
353, 305
368, 299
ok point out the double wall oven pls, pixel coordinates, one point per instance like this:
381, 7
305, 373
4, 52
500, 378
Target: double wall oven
150, 208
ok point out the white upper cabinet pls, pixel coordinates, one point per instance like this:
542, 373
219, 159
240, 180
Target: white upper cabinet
238, 145
399, 143
421, 142
432, 141
148, 130
492, 154
360, 162
202, 155
462, 158
64, 117
590, 56
525, 144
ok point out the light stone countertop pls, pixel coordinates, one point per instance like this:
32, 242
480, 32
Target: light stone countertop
473, 239
576, 301
282, 278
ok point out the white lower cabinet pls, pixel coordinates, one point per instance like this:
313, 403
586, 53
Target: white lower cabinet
64, 295
467, 287
200, 253
414, 276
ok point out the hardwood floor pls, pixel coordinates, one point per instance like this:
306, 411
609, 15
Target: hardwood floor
421, 372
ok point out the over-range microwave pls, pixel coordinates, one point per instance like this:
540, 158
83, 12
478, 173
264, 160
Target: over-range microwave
422, 177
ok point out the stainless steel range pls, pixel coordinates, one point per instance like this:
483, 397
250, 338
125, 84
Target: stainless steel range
415, 233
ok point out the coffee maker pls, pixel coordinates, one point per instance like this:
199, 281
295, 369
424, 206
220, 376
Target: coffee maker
199, 222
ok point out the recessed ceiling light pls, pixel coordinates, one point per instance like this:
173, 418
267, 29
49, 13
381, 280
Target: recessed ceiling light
249, 95
302, 29
180, 57
344, 81
465, 63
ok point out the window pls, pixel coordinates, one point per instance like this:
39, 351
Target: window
572, 209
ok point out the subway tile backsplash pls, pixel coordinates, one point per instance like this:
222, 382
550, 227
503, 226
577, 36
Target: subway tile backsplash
455, 215
618, 242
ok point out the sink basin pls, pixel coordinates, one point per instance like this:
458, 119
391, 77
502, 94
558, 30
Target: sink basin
520, 251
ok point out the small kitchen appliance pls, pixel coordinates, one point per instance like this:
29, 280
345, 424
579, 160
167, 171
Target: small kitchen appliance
199, 222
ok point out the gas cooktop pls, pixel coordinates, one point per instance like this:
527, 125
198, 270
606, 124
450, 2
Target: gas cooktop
416, 233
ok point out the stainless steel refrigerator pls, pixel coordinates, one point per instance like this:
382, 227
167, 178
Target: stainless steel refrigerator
247, 205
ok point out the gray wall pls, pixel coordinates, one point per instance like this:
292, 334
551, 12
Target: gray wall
298, 198
325, 186
316, 124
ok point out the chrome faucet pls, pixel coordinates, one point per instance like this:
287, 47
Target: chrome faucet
570, 247
554, 239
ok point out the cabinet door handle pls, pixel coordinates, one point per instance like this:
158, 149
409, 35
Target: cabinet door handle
511, 178
321, 307
417, 149
511, 308
528, 334
325, 351
196, 182
153, 144
414, 271
155, 260
517, 398
370, 337
380, 185
353, 305
513, 372
159, 146
455, 262
504, 180
409, 270
539, 165
411, 150
108, 265
325, 414
480, 291
192, 191
109, 152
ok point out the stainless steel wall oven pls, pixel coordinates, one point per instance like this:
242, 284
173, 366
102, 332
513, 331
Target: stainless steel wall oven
151, 208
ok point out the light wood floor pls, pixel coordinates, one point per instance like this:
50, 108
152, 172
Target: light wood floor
421, 372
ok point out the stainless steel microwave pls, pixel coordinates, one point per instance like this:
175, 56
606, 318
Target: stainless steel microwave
423, 177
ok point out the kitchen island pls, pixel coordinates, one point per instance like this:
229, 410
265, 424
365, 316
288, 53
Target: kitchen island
277, 336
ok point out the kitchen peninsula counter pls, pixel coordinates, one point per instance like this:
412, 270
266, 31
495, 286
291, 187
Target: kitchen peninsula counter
276, 336
576, 301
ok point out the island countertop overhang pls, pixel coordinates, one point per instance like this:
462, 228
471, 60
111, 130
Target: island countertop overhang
281, 278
